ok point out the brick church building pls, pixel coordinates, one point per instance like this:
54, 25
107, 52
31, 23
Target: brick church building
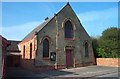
59, 42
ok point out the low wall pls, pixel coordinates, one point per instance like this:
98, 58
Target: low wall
113, 62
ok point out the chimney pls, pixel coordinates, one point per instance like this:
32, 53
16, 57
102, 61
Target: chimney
46, 18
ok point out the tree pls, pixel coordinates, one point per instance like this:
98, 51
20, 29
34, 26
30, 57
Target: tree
95, 46
109, 43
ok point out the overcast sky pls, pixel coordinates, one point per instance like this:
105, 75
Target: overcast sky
18, 19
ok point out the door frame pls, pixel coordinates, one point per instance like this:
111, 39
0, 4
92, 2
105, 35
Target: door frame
72, 54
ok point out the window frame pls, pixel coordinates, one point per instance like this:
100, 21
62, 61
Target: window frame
46, 57
86, 49
71, 35
73, 25
30, 50
24, 51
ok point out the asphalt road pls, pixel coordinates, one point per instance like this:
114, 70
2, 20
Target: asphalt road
89, 72
110, 75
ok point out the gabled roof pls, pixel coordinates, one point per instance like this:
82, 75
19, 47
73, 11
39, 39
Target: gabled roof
3, 40
38, 28
13, 47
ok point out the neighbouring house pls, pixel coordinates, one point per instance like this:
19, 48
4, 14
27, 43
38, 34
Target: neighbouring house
12, 55
3, 45
59, 42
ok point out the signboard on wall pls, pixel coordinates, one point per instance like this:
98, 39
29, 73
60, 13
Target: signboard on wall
53, 56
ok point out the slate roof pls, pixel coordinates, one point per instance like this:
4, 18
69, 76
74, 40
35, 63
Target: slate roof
3, 40
13, 47
38, 28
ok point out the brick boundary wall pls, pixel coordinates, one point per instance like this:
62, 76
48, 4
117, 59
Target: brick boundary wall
112, 62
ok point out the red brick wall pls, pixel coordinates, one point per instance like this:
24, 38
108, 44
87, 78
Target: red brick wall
113, 62
27, 48
3, 44
29, 65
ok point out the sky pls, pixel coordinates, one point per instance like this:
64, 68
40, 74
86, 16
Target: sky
20, 18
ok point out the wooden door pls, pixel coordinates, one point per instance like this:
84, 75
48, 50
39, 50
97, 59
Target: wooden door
69, 61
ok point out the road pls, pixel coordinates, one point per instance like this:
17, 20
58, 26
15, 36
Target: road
73, 73
110, 75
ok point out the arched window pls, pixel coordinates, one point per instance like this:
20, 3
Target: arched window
86, 50
68, 30
30, 50
45, 48
24, 51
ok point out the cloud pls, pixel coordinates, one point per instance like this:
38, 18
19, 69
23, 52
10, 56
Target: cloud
99, 15
97, 21
18, 32
94, 22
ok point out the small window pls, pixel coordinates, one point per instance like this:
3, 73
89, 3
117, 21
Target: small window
30, 50
86, 50
68, 30
24, 51
45, 48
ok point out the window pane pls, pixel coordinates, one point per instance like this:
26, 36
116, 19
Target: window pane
68, 30
24, 51
86, 49
30, 50
45, 48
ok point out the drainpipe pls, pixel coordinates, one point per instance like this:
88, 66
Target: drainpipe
93, 57
35, 46
56, 21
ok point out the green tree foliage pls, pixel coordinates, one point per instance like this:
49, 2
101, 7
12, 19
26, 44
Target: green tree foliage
108, 43
102, 53
95, 46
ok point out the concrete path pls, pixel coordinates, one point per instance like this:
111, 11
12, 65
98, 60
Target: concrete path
83, 72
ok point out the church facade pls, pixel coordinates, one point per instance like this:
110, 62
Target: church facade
59, 42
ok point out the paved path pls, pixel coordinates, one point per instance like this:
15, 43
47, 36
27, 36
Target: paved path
89, 71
